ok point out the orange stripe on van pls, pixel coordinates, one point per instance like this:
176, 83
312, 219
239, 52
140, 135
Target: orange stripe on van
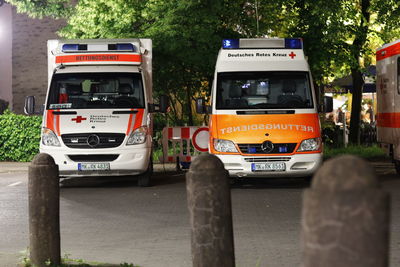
138, 119
50, 120
388, 51
98, 58
128, 130
53, 122
58, 124
390, 119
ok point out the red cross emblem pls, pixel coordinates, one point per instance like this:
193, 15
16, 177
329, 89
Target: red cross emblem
79, 119
292, 55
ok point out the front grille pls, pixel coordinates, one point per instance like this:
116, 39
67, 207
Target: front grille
93, 158
106, 140
262, 159
279, 148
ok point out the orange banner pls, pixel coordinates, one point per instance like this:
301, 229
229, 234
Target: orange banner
255, 129
98, 57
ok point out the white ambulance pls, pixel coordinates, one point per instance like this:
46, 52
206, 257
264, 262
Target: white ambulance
388, 96
264, 113
98, 111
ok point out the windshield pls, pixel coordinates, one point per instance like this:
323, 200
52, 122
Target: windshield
96, 90
259, 90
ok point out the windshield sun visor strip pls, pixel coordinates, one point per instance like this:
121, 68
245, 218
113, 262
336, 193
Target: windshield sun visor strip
125, 112
256, 112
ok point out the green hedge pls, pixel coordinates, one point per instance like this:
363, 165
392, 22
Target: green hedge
19, 136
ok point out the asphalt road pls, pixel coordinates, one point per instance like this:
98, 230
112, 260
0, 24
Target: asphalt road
112, 221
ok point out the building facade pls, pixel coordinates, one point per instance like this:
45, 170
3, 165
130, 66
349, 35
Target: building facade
23, 68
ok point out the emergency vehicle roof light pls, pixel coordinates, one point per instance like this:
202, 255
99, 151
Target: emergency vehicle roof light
127, 47
73, 47
122, 47
230, 43
293, 43
258, 43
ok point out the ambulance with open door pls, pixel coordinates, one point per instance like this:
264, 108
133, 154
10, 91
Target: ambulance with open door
264, 113
97, 117
388, 96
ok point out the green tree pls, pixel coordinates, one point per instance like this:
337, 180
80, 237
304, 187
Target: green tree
186, 37
338, 37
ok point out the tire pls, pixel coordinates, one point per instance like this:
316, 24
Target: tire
144, 179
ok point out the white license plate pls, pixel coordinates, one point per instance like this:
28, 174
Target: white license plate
93, 166
268, 167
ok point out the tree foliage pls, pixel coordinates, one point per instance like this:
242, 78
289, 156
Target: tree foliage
340, 36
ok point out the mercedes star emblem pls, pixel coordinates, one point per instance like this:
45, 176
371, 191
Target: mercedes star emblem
267, 146
93, 140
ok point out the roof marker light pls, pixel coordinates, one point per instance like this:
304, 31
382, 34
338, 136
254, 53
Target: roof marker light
73, 47
230, 43
293, 43
122, 47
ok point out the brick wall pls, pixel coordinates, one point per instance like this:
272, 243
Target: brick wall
29, 57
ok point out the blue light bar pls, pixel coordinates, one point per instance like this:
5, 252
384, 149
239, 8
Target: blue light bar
73, 47
230, 44
282, 149
70, 47
122, 47
252, 150
293, 43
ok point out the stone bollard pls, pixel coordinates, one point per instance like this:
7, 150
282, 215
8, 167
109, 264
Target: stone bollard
44, 211
209, 202
345, 217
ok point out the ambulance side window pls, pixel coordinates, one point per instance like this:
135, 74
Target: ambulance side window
398, 75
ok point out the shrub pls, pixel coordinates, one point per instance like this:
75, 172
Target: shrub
366, 152
19, 136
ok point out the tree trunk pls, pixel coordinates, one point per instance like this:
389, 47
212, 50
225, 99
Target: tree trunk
189, 105
355, 119
358, 81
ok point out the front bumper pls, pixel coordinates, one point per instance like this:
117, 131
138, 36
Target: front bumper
298, 165
130, 160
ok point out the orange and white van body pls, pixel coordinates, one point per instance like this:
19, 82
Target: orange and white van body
264, 119
388, 97
96, 119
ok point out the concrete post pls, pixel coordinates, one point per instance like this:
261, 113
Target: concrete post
345, 217
209, 203
44, 211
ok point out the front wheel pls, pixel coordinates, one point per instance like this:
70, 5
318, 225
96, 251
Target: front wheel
144, 179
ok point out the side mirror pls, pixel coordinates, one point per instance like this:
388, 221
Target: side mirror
328, 104
29, 107
164, 104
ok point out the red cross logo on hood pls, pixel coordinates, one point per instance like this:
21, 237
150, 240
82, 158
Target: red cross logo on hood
292, 55
78, 119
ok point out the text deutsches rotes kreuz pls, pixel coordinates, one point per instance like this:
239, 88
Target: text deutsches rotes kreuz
257, 55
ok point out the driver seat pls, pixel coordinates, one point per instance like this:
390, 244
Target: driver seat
289, 97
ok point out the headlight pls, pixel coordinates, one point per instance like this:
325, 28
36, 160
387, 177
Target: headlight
224, 146
312, 144
49, 138
138, 136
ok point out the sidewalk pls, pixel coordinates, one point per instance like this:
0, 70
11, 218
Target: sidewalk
11, 167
